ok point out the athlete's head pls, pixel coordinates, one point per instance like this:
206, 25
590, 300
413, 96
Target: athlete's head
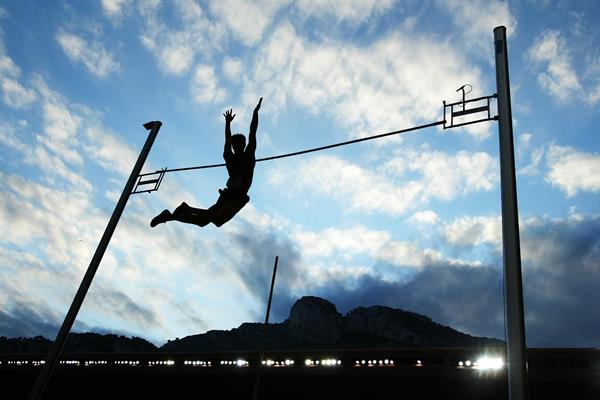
238, 142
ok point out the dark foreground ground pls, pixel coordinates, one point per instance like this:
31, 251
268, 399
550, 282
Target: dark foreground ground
564, 374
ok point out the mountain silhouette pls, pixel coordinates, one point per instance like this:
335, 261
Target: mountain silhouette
313, 323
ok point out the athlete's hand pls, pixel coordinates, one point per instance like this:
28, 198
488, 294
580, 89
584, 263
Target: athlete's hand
228, 115
258, 105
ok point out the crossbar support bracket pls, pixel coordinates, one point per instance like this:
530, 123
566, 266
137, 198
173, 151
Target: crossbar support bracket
144, 181
460, 109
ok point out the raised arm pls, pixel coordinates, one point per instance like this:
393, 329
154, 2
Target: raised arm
228, 118
254, 126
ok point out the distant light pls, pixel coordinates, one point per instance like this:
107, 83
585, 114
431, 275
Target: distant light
490, 363
419, 363
363, 362
386, 361
308, 361
468, 363
460, 363
240, 363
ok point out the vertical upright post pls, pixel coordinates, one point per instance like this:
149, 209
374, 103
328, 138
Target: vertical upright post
513, 286
264, 336
56, 349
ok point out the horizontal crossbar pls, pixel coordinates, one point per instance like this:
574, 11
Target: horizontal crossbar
470, 111
147, 182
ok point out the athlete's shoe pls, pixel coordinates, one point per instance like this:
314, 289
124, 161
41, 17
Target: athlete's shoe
160, 218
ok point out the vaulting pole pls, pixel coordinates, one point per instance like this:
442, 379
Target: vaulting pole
56, 349
264, 336
516, 349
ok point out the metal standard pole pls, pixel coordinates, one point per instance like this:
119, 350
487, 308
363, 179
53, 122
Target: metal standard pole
56, 349
518, 388
262, 345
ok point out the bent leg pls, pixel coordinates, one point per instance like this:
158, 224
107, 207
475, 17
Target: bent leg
229, 209
200, 217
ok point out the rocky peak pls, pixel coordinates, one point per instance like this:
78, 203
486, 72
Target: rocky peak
315, 320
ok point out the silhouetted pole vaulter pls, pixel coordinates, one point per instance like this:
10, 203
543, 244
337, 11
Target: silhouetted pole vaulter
264, 336
240, 166
56, 349
516, 349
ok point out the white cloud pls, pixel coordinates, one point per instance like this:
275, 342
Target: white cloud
573, 171
115, 8
593, 74
7, 65
61, 124
477, 20
246, 19
357, 188
347, 241
444, 176
408, 254
425, 217
523, 143
439, 176
533, 167
353, 11
551, 52
359, 240
15, 95
176, 48
205, 86
99, 61
109, 150
390, 84
232, 68
10, 138
8, 68
473, 231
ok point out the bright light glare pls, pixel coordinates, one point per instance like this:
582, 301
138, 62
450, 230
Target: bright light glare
490, 363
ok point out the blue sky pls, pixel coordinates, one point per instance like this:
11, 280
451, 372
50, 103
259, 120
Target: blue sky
410, 221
